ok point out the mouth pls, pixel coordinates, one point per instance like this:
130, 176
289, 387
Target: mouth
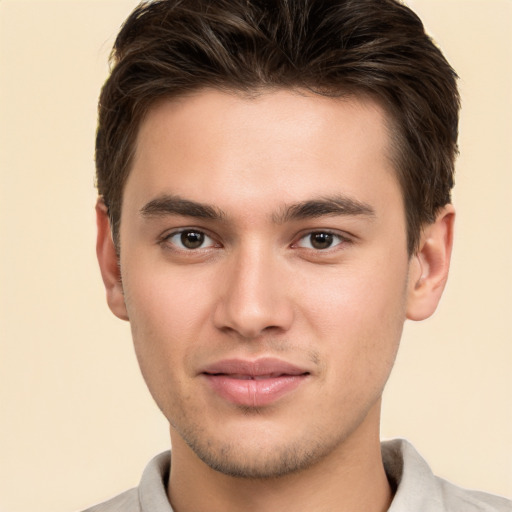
254, 383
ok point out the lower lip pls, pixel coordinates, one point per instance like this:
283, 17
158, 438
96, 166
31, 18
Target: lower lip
254, 393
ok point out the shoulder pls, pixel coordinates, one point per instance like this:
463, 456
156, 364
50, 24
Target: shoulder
149, 496
457, 498
128, 501
417, 488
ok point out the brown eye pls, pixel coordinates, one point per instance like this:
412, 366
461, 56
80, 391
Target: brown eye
189, 240
192, 239
321, 240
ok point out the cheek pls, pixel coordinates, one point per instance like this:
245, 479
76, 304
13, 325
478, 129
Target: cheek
167, 315
165, 301
360, 314
359, 297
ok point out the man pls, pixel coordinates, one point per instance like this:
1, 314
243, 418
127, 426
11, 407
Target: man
274, 184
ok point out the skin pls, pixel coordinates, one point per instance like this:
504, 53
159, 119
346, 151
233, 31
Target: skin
259, 287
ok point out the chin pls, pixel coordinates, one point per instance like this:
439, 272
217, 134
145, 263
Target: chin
260, 456
262, 465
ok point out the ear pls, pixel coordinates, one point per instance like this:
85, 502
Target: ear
428, 271
109, 262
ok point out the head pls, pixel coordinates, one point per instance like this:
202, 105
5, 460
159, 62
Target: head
277, 178
371, 48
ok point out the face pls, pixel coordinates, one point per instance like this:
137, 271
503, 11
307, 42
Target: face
265, 273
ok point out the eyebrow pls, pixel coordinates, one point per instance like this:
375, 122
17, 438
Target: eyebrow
325, 206
176, 205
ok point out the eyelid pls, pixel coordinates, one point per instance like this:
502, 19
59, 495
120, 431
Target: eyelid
343, 238
165, 239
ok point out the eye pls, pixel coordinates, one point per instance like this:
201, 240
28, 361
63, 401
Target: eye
190, 239
320, 240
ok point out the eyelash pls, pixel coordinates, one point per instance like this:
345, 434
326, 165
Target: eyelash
330, 235
166, 240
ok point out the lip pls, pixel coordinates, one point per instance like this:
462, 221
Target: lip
253, 383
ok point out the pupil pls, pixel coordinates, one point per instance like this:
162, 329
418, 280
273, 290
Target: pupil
321, 240
192, 239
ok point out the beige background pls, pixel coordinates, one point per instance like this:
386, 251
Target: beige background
77, 424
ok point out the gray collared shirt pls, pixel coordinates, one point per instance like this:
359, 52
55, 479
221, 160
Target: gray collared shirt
417, 489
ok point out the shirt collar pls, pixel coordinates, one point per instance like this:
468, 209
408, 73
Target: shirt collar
410, 476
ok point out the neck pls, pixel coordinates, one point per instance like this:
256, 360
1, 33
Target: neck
352, 477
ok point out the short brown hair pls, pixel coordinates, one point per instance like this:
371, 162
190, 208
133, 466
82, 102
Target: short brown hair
168, 48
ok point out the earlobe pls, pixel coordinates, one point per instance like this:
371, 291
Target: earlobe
108, 261
429, 267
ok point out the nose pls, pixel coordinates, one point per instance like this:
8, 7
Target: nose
253, 299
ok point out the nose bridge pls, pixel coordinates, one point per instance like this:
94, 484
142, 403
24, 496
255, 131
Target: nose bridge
254, 298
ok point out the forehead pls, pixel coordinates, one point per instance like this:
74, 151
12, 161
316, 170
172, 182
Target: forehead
263, 112
281, 144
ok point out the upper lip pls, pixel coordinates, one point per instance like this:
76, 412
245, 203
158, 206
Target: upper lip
263, 367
